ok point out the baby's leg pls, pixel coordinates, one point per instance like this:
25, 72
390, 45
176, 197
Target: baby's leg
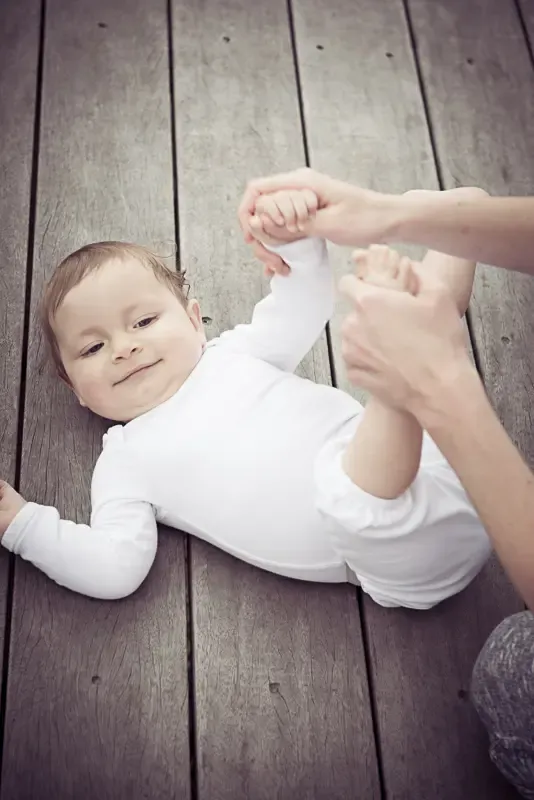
414, 548
383, 456
456, 274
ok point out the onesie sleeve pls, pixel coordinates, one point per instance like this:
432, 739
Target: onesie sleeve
110, 557
288, 321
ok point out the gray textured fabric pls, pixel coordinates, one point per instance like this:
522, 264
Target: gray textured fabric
502, 691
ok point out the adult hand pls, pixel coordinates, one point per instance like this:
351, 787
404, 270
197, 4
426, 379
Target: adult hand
346, 215
403, 348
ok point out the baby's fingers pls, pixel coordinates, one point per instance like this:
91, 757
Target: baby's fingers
267, 205
305, 204
297, 207
286, 208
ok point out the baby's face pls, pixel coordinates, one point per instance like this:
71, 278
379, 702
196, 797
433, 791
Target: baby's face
126, 341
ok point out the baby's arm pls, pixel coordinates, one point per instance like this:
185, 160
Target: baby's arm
288, 321
108, 559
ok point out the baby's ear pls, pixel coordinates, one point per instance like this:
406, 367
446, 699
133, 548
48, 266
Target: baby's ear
76, 395
65, 381
195, 315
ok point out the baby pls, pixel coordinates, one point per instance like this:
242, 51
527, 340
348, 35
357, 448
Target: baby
222, 440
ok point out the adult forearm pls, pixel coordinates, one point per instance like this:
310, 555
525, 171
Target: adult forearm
461, 421
490, 230
384, 454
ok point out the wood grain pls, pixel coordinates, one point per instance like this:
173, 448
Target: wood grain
483, 137
526, 8
97, 698
365, 122
363, 112
19, 48
281, 686
281, 690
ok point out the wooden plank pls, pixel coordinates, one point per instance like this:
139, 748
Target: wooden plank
365, 122
97, 697
492, 113
526, 8
281, 691
281, 686
19, 46
362, 107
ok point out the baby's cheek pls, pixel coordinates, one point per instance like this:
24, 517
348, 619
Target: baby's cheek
92, 385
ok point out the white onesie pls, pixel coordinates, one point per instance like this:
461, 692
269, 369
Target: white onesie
246, 455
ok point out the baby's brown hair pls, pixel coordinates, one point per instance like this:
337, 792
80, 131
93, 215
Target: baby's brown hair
75, 267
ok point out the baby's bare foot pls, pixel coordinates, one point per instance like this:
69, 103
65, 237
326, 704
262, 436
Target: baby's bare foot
384, 267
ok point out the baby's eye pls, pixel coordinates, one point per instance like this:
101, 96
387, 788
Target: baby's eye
144, 322
92, 350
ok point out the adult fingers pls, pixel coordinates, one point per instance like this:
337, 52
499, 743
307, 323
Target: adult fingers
246, 209
302, 178
353, 289
273, 263
369, 299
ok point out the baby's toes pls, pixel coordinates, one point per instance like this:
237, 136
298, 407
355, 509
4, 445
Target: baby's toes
406, 277
361, 263
393, 262
379, 258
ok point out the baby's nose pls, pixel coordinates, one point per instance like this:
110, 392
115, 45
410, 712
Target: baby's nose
124, 348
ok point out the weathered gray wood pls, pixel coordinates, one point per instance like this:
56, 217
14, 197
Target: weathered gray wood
281, 693
483, 137
97, 696
527, 12
362, 107
19, 46
281, 686
365, 122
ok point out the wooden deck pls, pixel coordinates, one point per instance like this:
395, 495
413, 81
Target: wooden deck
142, 120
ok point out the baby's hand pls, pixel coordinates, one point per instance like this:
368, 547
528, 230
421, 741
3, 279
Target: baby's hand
282, 216
10, 504
382, 266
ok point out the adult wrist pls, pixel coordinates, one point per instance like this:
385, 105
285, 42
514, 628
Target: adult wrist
414, 213
406, 213
449, 396
396, 218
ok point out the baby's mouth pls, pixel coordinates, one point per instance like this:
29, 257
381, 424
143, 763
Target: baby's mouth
136, 371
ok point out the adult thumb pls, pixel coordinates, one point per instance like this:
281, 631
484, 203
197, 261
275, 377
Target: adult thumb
323, 224
356, 290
